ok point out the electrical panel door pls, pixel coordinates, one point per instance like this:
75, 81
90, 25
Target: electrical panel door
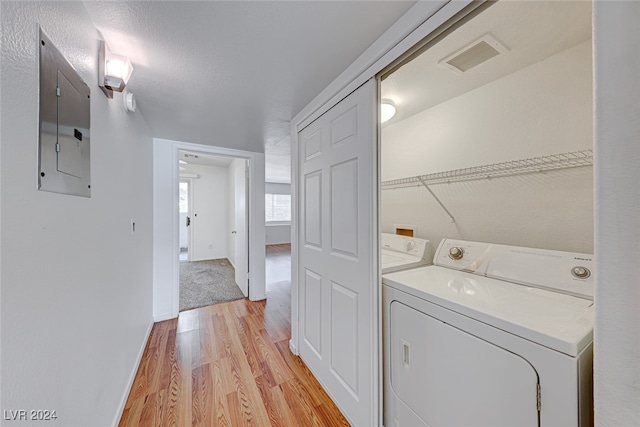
64, 161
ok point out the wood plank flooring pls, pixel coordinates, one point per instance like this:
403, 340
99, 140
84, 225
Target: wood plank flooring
229, 365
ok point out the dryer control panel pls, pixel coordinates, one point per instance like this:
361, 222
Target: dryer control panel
404, 244
566, 272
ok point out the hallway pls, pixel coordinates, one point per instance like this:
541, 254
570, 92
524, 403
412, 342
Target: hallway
229, 364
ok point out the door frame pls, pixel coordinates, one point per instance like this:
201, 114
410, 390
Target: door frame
422, 20
166, 271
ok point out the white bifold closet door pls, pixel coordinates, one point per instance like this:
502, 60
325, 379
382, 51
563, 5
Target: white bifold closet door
337, 293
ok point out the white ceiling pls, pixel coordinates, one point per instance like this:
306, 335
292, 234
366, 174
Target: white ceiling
234, 73
531, 30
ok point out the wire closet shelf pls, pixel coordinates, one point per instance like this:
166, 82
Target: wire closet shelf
514, 167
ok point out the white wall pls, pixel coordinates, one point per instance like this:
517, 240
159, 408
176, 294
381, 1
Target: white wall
545, 108
76, 285
277, 188
209, 218
617, 178
165, 272
277, 233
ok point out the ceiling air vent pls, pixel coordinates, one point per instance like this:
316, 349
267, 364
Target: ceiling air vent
473, 54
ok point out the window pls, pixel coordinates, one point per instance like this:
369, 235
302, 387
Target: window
277, 207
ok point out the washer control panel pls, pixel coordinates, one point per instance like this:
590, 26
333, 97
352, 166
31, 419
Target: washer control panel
566, 272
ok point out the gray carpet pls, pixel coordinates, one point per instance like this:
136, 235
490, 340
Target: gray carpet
207, 282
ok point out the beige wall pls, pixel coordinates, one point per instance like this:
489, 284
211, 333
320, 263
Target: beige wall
542, 109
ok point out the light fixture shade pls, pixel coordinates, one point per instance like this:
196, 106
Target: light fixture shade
387, 110
114, 71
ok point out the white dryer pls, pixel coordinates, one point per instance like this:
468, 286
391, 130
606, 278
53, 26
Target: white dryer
403, 252
490, 335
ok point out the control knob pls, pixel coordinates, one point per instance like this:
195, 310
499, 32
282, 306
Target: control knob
409, 245
580, 272
456, 253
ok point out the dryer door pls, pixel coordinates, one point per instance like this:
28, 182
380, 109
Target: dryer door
448, 377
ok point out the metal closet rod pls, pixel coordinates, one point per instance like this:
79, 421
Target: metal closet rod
514, 167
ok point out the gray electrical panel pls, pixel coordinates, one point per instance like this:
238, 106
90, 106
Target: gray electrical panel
63, 156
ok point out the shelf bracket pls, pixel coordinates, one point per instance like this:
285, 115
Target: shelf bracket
453, 220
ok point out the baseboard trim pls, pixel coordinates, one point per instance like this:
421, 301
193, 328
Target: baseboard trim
256, 297
132, 377
163, 317
293, 348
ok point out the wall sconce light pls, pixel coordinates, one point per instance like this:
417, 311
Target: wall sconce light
387, 110
113, 71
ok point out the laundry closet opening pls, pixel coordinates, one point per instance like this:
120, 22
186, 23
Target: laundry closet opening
486, 215
491, 118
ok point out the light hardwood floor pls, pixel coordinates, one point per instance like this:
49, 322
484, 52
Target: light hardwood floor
229, 365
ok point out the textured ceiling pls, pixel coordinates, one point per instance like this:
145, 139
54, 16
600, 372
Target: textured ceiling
233, 74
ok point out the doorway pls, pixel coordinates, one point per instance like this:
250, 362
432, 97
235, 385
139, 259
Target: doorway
166, 222
213, 243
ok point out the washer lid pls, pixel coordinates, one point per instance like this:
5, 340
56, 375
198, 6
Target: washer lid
558, 321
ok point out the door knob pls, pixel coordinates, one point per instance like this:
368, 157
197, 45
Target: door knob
233, 232
188, 221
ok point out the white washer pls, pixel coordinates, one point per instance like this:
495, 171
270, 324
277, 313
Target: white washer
490, 335
403, 252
